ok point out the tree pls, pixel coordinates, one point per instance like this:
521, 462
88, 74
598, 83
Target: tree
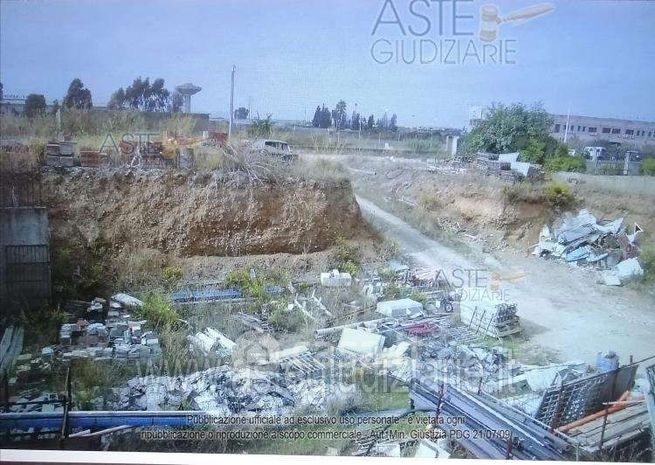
135, 94
393, 123
339, 114
78, 96
355, 121
325, 120
55, 107
143, 96
156, 96
118, 100
370, 124
318, 117
534, 152
177, 102
512, 129
647, 167
383, 123
34, 105
241, 113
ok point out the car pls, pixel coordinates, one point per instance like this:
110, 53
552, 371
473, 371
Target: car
277, 148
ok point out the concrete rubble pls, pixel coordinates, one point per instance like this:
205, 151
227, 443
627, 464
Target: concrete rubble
358, 342
211, 340
336, 279
224, 391
583, 240
118, 336
399, 308
432, 450
507, 166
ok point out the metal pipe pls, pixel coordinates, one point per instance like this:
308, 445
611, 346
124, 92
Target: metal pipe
334, 329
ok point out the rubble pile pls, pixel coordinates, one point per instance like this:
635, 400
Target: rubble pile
118, 336
468, 364
211, 340
35, 400
225, 391
583, 240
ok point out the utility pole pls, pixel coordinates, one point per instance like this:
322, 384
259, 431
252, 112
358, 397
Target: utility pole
229, 129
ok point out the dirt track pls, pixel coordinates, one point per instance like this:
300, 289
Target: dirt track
561, 307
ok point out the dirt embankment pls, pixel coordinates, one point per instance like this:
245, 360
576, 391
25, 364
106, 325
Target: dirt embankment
490, 211
449, 205
185, 214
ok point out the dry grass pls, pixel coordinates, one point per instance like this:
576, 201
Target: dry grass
263, 169
623, 185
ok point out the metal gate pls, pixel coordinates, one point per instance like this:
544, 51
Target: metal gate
28, 273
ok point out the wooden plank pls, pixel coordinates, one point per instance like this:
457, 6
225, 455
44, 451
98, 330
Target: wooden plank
619, 432
621, 415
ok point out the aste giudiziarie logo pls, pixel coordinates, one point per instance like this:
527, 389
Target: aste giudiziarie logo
447, 32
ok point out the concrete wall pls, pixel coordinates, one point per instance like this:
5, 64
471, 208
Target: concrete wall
21, 226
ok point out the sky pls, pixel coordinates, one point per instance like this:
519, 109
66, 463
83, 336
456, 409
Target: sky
593, 58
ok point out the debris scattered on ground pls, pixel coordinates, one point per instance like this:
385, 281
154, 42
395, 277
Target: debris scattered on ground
399, 308
359, 342
224, 391
488, 314
583, 240
211, 340
336, 279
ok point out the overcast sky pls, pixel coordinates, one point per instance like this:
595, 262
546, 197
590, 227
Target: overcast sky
595, 58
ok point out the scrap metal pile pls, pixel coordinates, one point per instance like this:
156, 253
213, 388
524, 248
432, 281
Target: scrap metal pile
583, 240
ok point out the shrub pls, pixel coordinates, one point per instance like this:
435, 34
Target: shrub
42, 324
387, 274
284, 320
158, 310
261, 127
567, 163
647, 261
172, 274
559, 195
561, 151
647, 167
394, 291
534, 152
178, 125
241, 279
346, 257
522, 192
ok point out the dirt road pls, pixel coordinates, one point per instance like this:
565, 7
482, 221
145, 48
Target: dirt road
561, 307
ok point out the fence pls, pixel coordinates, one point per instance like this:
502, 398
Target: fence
28, 273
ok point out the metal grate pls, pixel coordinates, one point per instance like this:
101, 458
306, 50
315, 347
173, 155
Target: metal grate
574, 400
19, 190
650, 372
28, 273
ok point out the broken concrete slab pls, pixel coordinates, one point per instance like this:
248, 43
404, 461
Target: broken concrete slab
628, 269
360, 342
399, 308
610, 278
430, 450
336, 279
127, 301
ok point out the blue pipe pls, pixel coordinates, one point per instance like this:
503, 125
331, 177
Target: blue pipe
100, 419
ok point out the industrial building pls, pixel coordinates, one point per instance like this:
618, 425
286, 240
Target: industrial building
588, 129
